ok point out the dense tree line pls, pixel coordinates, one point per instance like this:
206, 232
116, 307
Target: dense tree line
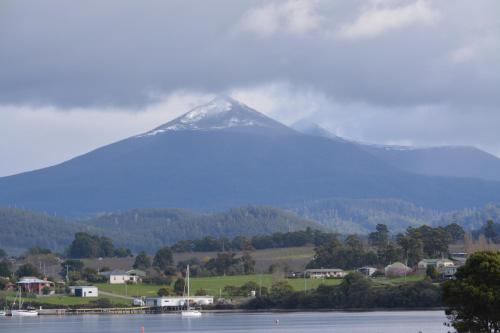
224, 263
383, 249
85, 245
308, 236
355, 292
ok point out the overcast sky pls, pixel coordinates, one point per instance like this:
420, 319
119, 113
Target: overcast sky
75, 75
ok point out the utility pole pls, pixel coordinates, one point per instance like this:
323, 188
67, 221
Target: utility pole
67, 274
260, 284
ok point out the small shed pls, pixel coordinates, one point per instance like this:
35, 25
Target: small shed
367, 271
86, 291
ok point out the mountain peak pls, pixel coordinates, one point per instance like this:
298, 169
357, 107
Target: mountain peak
223, 112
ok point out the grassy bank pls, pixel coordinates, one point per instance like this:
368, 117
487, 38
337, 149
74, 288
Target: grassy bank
215, 285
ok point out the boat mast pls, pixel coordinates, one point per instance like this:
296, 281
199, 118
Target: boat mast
187, 278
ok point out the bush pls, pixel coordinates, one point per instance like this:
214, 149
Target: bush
201, 292
167, 291
102, 303
46, 290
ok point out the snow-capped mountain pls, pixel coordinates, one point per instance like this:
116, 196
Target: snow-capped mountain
225, 154
222, 113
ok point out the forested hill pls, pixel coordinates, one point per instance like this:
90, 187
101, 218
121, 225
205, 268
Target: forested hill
144, 229
21, 229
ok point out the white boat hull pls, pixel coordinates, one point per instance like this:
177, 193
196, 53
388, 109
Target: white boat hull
24, 313
191, 313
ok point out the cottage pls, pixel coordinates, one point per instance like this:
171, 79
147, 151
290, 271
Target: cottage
122, 277
29, 284
438, 264
176, 301
367, 271
325, 273
450, 271
86, 291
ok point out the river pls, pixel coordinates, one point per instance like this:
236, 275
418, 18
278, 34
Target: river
268, 322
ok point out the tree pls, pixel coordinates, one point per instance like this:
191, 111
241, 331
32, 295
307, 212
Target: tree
389, 254
3, 254
248, 263
490, 232
85, 245
106, 247
34, 250
379, 238
279, 291
222, 263
412, 246
72, 266
163, 258
431, 272
179, 286
142, 261
473, 298
455, 231
123, 252
5, 268
27, 270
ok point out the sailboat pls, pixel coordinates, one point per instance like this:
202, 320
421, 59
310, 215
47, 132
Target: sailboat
22, 312
189, 312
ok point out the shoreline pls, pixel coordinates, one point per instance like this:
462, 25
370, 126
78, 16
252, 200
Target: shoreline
138, 311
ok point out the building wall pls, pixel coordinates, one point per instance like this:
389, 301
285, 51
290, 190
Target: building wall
122, 279
86, 292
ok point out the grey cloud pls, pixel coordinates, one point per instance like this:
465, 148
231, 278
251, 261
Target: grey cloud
119, 52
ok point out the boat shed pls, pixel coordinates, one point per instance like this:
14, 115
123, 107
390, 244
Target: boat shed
86, 291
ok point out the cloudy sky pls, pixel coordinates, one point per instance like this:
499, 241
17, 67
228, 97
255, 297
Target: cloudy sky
77, 75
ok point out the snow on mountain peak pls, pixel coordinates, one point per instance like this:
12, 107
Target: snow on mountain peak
220, 113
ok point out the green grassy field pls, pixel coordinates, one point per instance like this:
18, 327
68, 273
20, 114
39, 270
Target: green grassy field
215, 285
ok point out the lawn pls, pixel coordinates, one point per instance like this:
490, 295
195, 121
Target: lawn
215, 285
399, 280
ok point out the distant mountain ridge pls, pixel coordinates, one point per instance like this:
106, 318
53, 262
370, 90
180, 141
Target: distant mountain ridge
224, 154
450, 161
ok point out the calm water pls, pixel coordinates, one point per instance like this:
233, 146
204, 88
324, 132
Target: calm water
310, 322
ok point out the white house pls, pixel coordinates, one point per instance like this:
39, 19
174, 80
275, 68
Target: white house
86, 291
178, 301
325, 273
122, 277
